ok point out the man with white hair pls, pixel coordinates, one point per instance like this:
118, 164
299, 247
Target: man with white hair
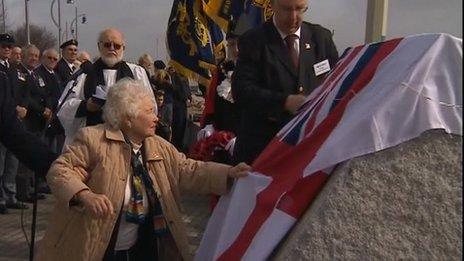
83, 56
53, 84
82, 100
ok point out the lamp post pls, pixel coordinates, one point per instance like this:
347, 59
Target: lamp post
74, 31
57, 24
28, 34
3, 17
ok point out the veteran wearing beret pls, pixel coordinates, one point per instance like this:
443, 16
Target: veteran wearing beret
65, 67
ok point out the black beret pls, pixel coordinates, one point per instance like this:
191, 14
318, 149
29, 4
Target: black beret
6, 39
159, 64
67, 43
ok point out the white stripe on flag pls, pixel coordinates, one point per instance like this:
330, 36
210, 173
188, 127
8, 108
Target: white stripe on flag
230, 215
272, 231
388, 115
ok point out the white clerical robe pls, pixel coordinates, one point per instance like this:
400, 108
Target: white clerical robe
66, 114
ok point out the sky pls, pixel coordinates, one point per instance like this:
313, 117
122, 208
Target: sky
144, 22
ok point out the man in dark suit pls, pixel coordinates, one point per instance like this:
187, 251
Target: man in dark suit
181, 96
279, 64
27, 147
8, 162
55, 132
39, 114
65, 67
40, 100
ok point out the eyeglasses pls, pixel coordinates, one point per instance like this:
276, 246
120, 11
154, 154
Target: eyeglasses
108, 45
52, 58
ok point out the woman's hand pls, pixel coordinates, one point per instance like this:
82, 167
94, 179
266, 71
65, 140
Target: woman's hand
97, 205
239, 170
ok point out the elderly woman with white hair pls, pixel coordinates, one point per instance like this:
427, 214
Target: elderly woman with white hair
118, 187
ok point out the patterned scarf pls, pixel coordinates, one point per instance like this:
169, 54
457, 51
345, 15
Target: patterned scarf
136, 211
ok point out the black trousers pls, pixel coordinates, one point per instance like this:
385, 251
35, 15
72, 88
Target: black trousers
145, 249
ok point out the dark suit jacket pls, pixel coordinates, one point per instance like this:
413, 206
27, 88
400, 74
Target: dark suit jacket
20, 95
54, 90
63, 71
39, 99
264, 77
27, 147
53, 84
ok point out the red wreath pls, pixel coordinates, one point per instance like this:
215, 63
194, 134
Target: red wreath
204, 148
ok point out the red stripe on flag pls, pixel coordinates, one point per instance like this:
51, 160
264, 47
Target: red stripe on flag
296, 201
285, 177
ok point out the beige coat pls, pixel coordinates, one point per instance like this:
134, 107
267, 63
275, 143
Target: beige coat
73, 235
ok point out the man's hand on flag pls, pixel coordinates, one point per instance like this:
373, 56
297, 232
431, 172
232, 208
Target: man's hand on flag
294, 102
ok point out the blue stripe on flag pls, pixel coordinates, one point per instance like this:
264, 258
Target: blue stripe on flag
293, 135
357, 70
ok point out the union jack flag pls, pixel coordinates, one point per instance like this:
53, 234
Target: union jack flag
376, 97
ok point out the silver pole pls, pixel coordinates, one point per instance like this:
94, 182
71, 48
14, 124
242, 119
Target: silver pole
56, 23
3, 17
66, 32
75, 8
59, 24
28, 36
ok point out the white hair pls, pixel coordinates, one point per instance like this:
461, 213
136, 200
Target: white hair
49, 51
25, 50
123, 100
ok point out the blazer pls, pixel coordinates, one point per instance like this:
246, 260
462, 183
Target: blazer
54, 90
27, 147
264, 77
63, 71
39, 99
53, 84
20, 95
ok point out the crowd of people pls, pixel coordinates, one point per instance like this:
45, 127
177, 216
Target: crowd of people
98, 117
38, 81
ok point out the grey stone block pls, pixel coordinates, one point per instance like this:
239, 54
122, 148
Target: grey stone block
403, 203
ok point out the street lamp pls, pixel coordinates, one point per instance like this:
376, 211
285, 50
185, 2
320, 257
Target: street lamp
74, 23
3, 17
58, 23
28, 35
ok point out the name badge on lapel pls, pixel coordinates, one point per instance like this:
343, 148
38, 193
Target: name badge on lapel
41, 82
322, 67
21, 76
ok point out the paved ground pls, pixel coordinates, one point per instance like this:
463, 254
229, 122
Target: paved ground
13, 245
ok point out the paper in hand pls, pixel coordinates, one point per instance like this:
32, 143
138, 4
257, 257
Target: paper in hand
100, 95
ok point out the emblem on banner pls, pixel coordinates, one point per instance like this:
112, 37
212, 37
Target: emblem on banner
266, 6
183, 30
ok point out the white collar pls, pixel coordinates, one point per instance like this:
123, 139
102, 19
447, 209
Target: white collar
282, 35
70, 65
4, 62
28, 71
50, 71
